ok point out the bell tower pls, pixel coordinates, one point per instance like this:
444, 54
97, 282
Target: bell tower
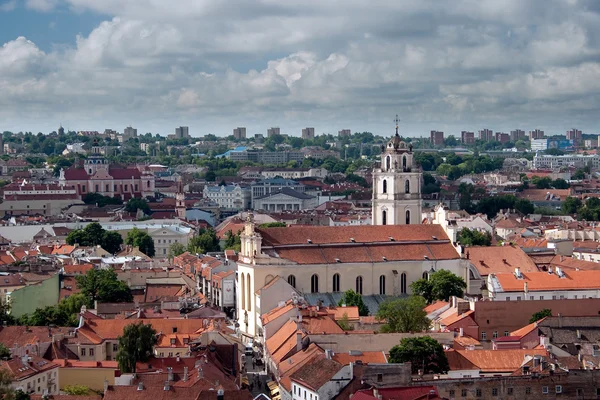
180, 207
396, 185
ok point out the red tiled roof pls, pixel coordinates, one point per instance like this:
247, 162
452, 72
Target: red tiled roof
366, 357
297, 361
78, 268
497, 259
536, 281
316, 373
20, 370
490, 360
125, 173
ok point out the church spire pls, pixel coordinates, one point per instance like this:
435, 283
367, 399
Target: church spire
397, 121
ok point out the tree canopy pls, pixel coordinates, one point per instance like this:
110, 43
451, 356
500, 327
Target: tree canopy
103, 285
404, 315
93, 235
141, 240
441, 285
206, 241
546, 312
468, 237
176, 249
424, 353
135, 345
100, 200
137, 204
351, 298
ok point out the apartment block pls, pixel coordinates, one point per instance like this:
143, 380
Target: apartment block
486, 135
308, 133
344, 132
536, 134
273, 131
239, 133
502, 137
467, 137
517, 134
437, 138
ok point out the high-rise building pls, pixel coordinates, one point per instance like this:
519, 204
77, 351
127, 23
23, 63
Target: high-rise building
502, 137
536, 134
129, 133
467, 137
486, 135
182, 132
437, 138
273, 131
344, 132
574, 135
396, 186
517, 134
239, 133
308, 133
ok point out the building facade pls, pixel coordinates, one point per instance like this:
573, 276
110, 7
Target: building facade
567, 160
308, 133
467, 137
239, 133
232, 197
436, 138
396, 186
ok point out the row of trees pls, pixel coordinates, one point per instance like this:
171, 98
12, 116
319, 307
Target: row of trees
94, 235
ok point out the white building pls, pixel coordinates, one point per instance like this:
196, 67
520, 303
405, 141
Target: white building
229, 196
33, 375
76, 148
396, 186
539, 144
453, 223
295, 173
325, 385
285, 199
567, 160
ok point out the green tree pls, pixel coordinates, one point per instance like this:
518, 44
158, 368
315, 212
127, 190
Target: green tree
137, 204
560, 184
6, 390
233, 241
103, 285
468, 237
441, 285
546, 312
135, 345
543, 183
578, 175
524, 206
76, 390
4, 352
206, 241
344, 323
141, 240
351, 298
404, 315
93, 235
100, 200
273, 225
571, 205
424, 353
111, 241
176, 249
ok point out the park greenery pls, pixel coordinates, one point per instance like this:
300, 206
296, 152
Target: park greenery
140, 239
403, 315
103, 285
94, 235
425, 354
440, 285
546, 312
204, 242
473, 237
135, 345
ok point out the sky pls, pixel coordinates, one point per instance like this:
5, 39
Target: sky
214, 65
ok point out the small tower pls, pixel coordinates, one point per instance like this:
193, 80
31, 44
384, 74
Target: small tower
180, 207
396, 185
251, 241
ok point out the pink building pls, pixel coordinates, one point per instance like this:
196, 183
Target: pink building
97, 175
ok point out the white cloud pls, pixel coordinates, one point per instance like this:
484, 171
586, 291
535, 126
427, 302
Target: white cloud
8, 5
41, 5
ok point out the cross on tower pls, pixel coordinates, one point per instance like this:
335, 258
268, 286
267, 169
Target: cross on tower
397, 121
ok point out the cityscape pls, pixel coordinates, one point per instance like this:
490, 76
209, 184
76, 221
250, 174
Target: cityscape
289, 201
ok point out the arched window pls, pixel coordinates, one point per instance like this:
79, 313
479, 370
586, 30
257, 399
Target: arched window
382, 284
292, 281
404, 162
407, 217
359, 281
248, 292
243, 285
314, 283
387, 163
384, 217
407, 186
403, 283
336, 283
385, 186
425, 275
268, 278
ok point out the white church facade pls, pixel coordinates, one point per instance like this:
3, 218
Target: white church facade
379, 259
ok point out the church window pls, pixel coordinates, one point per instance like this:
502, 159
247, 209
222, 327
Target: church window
336, 283
97, 188
382, 284
314, 283
248, 292
106, 188
387, 163
384, 186
425, 275
404, 162
359, 284
403, 283
407, 217
243, 284
384, 217
407, 186
292, 281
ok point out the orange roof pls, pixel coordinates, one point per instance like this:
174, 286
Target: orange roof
78, 268
367, 357
338, 313
63, 249
98, 330
297, 361
537, 281
525, 330
491, 360
277, 312
435, 306
467, 341
497, 259
454, 318
573, 263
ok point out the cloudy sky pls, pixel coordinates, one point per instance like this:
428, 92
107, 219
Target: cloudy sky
214, 65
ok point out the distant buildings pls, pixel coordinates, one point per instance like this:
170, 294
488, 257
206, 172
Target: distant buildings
574, 135
517, 134
273, 131
467, 137
486, 135
344, 133
536, 134
308, 133
539, 144
182, 132
437, 138
129, 133
239, 133
266, 157
502, 137
568, 160
232, 197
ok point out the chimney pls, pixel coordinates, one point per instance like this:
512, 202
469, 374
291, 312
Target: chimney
200, 373
220, 394
578, 334
461, 332
185, 374
170, 374
167, 386
140, 386
525, 287
559, 320
298, 341
518, 272
105, 385
328, 354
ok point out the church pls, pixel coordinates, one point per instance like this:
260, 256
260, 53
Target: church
380, 259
